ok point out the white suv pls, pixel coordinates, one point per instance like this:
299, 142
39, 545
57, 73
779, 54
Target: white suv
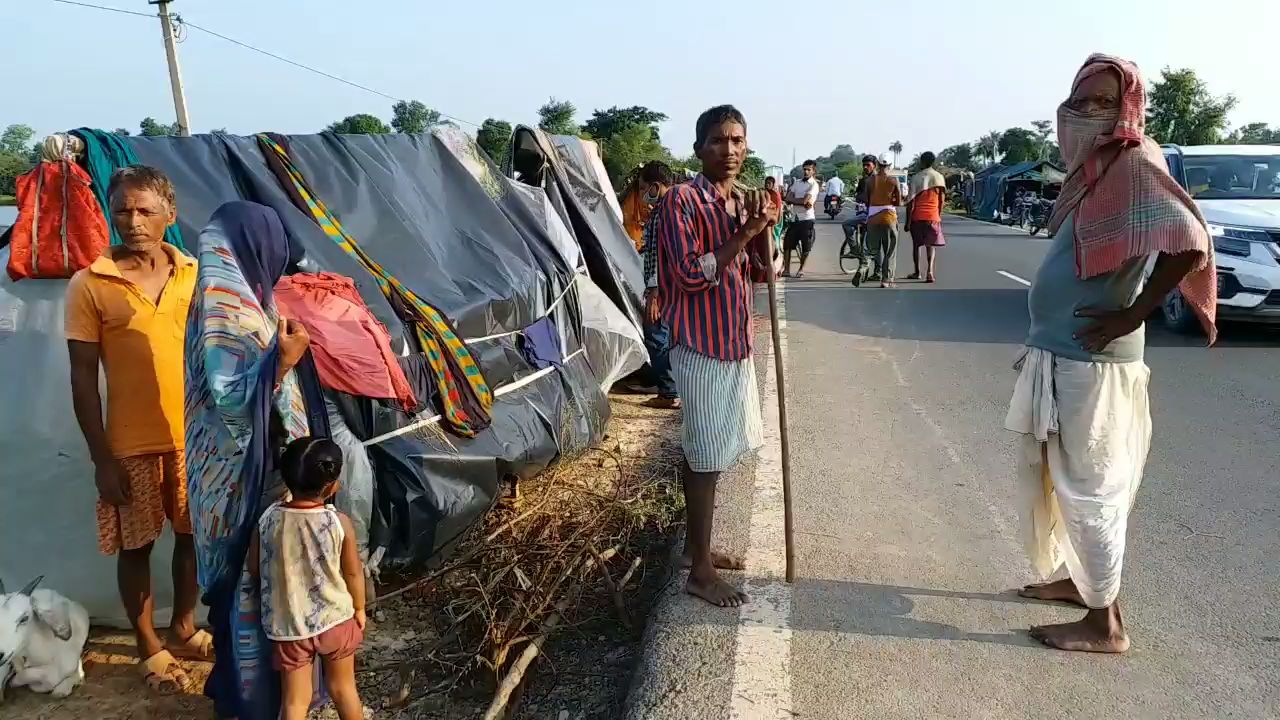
1237, 188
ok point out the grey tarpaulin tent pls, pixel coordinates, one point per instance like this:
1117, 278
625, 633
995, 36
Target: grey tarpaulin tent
993, 186
498, 257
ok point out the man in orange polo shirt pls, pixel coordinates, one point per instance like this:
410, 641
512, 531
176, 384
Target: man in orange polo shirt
128, 313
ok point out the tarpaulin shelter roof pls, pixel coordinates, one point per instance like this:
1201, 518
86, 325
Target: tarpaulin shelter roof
500, 258
991, 184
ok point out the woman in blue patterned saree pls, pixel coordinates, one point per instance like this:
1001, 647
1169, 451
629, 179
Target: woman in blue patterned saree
244, 400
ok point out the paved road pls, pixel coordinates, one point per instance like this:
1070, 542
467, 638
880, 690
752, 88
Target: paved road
907, 536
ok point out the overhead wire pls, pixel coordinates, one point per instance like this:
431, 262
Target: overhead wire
109, 9
183, 23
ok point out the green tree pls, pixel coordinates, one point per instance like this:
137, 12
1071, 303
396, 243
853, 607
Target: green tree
605, 124
494, 137
628, 148
988, 146
360, 124
413, 117
556, 117
1180, 109
123, 132
753, 170
842, 154
1255, 134
219, 131
959, 157
896, 149
11, 166
150, 127
691, 164
1044, 131
849, 172
1018, 145
16, 139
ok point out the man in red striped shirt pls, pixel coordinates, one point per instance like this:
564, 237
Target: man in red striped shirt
704, 230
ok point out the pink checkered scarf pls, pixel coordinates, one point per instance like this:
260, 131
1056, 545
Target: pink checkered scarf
1125, 202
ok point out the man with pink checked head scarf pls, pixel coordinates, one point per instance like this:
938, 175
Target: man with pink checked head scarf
1080, 403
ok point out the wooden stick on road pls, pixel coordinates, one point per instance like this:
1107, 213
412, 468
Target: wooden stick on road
788, 529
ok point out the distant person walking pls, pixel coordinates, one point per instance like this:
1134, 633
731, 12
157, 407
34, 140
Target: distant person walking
1080, 403
658, 179
802, 196
883, 198
775, 232
705, 228
924, 215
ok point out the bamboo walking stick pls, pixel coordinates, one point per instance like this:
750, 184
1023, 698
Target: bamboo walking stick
787, 527
788, 530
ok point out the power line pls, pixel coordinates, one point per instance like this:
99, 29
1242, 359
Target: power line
104, 7
181, 22
308, 68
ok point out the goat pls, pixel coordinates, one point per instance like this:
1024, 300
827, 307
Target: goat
42, 635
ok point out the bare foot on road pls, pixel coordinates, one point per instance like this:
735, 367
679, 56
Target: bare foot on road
1057, 591
1082, 636
723, 561
715, 591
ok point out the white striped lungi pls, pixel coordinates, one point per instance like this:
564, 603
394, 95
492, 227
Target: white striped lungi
1086, 430
721, 409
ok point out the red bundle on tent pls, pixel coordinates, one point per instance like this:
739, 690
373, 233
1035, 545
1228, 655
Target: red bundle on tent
60, 227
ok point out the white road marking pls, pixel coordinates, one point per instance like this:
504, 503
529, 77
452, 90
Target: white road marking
1014, 278
762, 662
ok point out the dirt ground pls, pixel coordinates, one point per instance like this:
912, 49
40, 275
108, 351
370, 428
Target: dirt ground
583, 673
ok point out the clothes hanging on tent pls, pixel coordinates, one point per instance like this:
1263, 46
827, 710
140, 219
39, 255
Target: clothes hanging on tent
60, 228
465, 397
422, 379
351, 348
104, 153
540, 344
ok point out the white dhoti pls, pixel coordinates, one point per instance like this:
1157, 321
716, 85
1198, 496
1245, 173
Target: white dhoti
1086, 430
721, 409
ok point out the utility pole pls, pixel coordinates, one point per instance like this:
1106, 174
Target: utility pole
175, 72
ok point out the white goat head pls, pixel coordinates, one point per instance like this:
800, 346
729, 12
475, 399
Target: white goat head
42, 635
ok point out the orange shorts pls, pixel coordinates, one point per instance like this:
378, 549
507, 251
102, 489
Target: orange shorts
158, 491
338, 642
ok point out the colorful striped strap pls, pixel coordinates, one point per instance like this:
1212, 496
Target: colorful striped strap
465, 405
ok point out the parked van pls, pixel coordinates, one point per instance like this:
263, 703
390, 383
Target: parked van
1237, 188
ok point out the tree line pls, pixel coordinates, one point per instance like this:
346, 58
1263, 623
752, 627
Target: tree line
628, 136
1180, 110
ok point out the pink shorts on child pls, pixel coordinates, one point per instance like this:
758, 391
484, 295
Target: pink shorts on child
338, 642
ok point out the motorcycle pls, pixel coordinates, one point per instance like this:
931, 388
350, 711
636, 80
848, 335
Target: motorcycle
834, 206
1020, 213
1040, 215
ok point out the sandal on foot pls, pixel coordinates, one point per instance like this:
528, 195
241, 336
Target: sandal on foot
930, 278
163, 674
199, 646
914, 276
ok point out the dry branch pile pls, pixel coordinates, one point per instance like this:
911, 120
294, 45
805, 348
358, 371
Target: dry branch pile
559, 552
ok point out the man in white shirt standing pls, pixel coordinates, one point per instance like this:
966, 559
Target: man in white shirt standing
801, 197
833, 190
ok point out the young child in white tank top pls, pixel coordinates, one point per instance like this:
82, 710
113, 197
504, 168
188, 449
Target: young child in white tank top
312, 583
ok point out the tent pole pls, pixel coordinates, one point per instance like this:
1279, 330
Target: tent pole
788, 528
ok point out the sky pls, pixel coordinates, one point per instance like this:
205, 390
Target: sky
928, 73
